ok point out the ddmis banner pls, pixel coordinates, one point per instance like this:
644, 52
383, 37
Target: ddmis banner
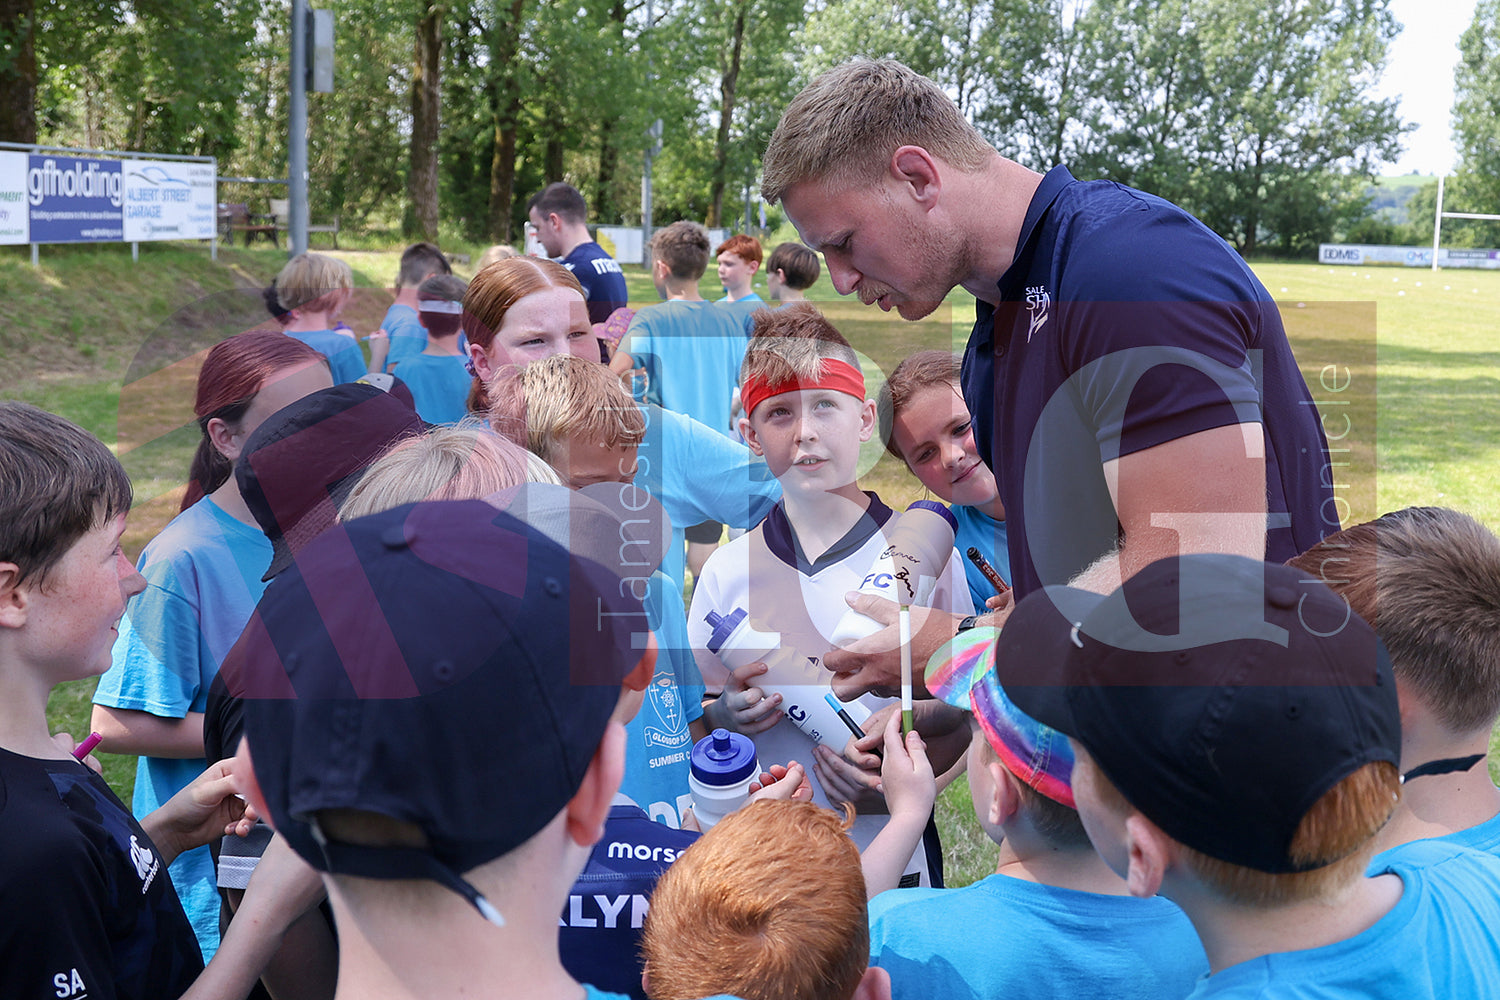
48, 198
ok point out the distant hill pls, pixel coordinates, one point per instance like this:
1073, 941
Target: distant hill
1389, 195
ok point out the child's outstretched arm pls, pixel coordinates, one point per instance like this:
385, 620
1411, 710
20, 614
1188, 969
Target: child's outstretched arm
205, 809
906, 778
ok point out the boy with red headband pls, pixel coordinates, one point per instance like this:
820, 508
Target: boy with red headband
807, 413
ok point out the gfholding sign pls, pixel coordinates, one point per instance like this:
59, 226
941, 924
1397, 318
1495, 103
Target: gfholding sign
52, 198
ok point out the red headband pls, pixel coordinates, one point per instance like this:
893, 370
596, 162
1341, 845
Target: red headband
840, 376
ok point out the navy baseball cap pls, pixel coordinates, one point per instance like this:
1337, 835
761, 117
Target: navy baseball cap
302, 461
1221, 695
444, 664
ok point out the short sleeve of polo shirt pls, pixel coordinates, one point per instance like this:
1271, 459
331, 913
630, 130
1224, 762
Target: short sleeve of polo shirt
1161, 324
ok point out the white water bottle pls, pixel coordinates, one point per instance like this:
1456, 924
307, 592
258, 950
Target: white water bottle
920, 542
723, 765
801, 683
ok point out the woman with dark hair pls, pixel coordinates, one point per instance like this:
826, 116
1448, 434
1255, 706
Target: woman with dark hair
203, 574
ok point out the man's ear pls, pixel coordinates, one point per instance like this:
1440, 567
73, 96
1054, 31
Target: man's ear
867, 420
875, 984
1149, 852
14, 597
915, 168
589, 807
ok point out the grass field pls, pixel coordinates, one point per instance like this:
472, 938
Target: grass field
1404, 365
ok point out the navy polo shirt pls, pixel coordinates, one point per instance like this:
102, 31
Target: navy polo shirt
1124, 323
602, 280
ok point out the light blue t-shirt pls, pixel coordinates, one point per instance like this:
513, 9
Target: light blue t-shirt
345, 359
203, 580
1440, 940
691, 352
439, 385
698, 474
657, 742
1006, 937
978, 529
1480, 837
408, 335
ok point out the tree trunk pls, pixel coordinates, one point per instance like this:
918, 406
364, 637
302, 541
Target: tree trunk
609, 161
609, 152
18, 79
507, 91
727, 86
426, 89
552, 159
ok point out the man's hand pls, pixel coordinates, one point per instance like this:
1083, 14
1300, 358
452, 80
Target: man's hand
742, 708
873, 664
844, 782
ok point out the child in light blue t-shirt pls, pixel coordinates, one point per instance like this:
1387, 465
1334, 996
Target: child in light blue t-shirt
926, 424
1426, 578
438, 376
204, 578
1053, 920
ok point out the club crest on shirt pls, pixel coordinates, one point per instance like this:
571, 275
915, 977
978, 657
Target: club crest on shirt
666, 702
1038, 302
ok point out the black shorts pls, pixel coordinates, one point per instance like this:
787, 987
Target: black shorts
706, 533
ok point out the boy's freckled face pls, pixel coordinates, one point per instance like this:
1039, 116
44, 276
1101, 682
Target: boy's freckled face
73, 618
935, 436
582, 462
810, 438
735, 273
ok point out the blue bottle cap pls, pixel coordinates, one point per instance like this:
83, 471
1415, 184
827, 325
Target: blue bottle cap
723, 758
722, 626
938, 508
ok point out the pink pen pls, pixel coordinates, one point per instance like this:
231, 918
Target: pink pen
83, 749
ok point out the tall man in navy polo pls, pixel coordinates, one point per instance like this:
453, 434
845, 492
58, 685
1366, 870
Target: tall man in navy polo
1131, 383
560, 216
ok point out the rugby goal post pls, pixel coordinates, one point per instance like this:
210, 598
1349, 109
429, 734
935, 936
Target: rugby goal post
1440, 215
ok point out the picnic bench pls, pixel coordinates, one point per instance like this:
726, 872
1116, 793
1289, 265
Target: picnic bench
236, 217
281, 211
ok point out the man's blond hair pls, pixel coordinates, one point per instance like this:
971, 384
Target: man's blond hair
845, 125
553, 399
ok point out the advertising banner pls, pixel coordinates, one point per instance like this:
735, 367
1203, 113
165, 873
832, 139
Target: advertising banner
168, 200
15, 216
1361, 254
75, 199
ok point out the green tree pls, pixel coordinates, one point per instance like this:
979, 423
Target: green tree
1476, 110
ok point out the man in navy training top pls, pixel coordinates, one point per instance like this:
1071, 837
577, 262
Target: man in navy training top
560, 214
1131, 383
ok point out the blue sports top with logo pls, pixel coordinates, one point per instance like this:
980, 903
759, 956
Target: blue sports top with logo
1125, 323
